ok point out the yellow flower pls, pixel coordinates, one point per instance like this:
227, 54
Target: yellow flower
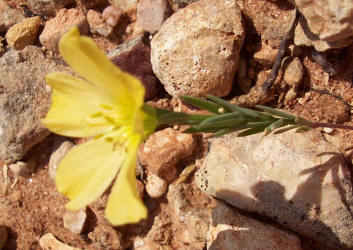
108, 107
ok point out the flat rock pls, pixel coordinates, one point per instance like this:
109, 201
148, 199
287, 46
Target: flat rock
152, 13
24, 101
196, 51
329, 21
8, 16
133, 56
75, 220
49, 242
60, 150
299, 180
24, 33
60, 24
48, 7
128, 6
231, 230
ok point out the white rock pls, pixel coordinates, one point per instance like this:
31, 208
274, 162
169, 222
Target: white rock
156, 186
230, 230
57, 155
23, 169
75, 220
196, 51
49, 242
299, 180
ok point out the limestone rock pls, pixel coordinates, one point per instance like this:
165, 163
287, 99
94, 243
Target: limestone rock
128, 6
75, 220
57, 155
133, 56
164, 149
196, 51
23, 169
97, 24
328, 23
60, 24
266, 56
49, 242
152, 13
24, 33
25, 97
8, 16
48, 7
293, 73
231, 230
156, 186
111, 15
106, 237
299, 180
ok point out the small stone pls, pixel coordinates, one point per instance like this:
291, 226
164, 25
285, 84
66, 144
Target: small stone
133, 56
60, 24
97, 24
24, 96
48, 7
106, 237
49, 242
111, 15
328, 130
3, 236
196, 51
57, 155
152, 13
164, 149
156, 186
23, 169
75, 220
89, 4
266, 56
293, 73
231, 230
24, 33
127, 6
8, 16
272, 175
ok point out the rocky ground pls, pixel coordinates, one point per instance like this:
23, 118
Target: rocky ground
288, 191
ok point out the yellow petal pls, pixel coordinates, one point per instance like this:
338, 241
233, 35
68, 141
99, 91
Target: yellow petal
90, 62
124, 204
73, 103
87, 171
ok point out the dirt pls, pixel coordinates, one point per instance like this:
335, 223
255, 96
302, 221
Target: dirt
31, 207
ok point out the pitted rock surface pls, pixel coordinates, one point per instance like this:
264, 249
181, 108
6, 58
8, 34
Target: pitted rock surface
196, 50
299, 180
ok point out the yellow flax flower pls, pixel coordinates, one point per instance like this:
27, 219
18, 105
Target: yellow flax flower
107, 106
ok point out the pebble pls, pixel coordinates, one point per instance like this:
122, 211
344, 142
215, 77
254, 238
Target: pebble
111, 15
273, 175
97, 24
156, 186
49, 242
133, 56
266, 56
24, 33
23, 169
3, 236
48, 7
293, 76
60, 24
328, 130
8, 16
230, 230
328, 24
106, 237
24, 97
164, 149
152, 13
75, 220
196, 51
57, 155
127, 6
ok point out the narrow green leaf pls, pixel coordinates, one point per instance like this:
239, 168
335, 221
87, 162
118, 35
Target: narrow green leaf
262, 125
197, 129
228, 130
303, 129
232, 107
224, 124
172, 118
276, 112
203, 104
285, 129
251, 131
224, 117
275, 125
